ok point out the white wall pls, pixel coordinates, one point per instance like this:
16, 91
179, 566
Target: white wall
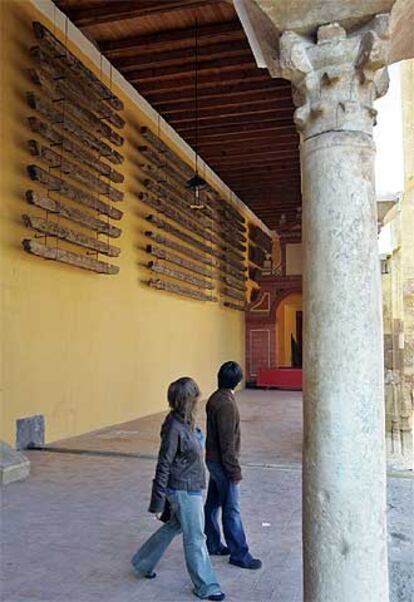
388, 136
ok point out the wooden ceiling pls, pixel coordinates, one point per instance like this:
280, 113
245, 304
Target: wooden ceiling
246, 131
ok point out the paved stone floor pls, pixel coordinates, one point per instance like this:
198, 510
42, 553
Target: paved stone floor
70, 529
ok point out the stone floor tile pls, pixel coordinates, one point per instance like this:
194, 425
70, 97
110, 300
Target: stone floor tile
72, 527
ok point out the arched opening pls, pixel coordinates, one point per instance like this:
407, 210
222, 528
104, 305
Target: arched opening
288, 326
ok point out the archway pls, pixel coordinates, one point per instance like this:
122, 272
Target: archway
264, 332
289, 331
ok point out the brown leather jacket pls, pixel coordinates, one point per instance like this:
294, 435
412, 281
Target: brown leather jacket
180, 461
223, 432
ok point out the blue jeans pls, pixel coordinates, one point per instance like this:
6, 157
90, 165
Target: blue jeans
223, 493
187, 517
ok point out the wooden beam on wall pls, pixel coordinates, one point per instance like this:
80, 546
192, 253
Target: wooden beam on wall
179, 290
56, 254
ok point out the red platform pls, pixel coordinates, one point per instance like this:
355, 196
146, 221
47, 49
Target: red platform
280, 378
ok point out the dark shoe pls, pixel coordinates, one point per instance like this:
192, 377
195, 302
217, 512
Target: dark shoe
150, 575
253, 563
217, 597
223, 551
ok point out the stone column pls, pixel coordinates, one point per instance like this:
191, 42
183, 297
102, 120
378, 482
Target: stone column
335, 81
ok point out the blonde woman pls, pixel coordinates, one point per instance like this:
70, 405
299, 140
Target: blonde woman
176, 493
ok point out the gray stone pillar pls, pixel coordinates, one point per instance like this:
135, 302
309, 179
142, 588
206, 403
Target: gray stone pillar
335, 83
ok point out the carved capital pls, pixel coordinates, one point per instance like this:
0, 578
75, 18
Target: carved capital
337, 78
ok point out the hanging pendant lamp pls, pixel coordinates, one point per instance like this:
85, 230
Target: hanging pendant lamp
196, 183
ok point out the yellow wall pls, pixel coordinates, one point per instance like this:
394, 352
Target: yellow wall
286, 326
88, 350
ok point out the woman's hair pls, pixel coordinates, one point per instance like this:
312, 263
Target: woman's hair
182, 397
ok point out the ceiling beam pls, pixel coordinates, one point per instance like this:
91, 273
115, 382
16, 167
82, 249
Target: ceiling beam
262, 164
121, 10
260, 107
164, 40
237, 76
239, 132
181, 56
271, 178
258, 176
276, 206
226, 91
266, 185
251, 150
237, 129
207, 146
284, 194
257, 161
278, 98
231, 63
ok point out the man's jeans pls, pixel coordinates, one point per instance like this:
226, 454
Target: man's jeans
223, 493
187, 517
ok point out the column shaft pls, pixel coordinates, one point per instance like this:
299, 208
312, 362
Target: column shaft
344, 481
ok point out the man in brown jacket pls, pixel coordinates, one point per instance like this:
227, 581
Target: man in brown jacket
222, 457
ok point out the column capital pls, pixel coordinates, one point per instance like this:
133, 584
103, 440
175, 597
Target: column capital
336, 78
335, 52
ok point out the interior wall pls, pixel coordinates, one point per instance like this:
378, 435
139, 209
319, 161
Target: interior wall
294, 259
88, 350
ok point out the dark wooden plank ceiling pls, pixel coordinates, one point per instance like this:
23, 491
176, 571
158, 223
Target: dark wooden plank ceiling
246, 131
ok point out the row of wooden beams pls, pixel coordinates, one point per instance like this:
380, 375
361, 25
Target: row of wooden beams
166, 40
121, 10
181, 56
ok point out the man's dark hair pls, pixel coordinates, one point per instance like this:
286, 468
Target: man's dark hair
229, 375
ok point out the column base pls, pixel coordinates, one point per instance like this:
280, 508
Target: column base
14, 466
